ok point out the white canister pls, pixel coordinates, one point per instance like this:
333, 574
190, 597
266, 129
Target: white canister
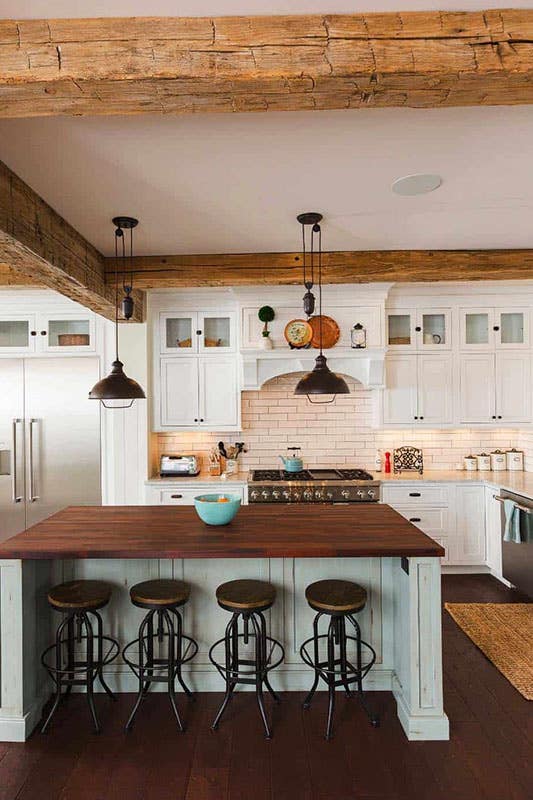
498, 462
514, 460
470, 463
483, 461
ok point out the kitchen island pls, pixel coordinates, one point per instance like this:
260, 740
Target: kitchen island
289, 545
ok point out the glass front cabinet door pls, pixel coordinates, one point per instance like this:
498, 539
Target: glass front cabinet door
500, 328
17, 334
197, 332
62, 332
419, 330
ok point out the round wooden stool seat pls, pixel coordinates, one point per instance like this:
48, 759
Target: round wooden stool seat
336, 597
161, 593
82, 595
246, 595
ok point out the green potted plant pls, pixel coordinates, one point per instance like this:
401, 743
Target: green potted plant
266, 314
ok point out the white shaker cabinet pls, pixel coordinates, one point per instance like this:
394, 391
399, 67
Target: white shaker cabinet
495, 387
469, 541
419, 389
198, 393
493, 511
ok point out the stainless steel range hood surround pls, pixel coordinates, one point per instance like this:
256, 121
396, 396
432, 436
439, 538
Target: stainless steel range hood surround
367, 367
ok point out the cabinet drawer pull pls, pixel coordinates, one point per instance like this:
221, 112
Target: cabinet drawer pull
414, 494
176, 496
415, 519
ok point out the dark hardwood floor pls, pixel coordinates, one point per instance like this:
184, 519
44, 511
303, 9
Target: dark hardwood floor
490, 754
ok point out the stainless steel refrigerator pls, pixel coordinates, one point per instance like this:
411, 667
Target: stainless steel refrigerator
49, 439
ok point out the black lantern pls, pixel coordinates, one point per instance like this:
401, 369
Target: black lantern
116, 390
321, 381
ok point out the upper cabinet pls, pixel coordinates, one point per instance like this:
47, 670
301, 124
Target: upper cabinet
195, 332
495, 388
423, 329
50, 333
419, 390
494, 328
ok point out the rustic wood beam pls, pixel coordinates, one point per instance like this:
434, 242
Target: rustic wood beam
10, 277
146, 65
36, 242
397, 266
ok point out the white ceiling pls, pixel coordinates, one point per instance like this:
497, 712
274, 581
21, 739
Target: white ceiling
234, 183
31, 9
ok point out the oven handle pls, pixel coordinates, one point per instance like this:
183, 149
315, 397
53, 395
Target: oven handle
525, 509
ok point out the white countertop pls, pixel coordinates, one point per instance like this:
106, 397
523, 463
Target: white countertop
519, 482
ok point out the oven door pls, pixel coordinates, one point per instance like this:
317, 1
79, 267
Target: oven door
517, 559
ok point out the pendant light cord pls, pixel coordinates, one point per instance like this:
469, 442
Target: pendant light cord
319, 285
117, 234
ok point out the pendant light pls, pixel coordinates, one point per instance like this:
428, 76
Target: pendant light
321, 381
117, 390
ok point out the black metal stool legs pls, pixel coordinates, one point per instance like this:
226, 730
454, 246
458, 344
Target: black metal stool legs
337, 670
166, 667
237, 668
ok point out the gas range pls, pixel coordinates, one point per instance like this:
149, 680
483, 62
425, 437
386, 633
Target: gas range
312, 486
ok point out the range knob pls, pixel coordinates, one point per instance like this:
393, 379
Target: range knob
287, 494
275, 494
308, 494
254, 494
265, 495
345, 494
296, 497
329, 495
360, 493
371, 493
319, 494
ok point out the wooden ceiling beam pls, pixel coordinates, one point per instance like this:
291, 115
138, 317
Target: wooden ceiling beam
37, 243
366, 266
184, 65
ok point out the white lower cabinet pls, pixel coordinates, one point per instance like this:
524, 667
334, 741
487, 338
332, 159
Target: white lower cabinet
469, 545
451, 514
495, 387
493, 526
183, 494
419, 389
197, 392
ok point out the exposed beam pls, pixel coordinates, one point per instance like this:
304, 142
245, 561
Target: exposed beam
36, 242
398, 266
10, 277
146, 65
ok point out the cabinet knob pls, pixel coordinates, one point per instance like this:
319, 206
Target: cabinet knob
33, 333
499, 416
198, 333
43, 333
418, 329
496, 328
421, 417
202, 419
196, 420
416, 417
494, 416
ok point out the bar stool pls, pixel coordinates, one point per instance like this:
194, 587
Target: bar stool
79, 601
338, 600
246, 600
161, 598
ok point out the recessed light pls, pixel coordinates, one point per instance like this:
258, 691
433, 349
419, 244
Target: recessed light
420, 183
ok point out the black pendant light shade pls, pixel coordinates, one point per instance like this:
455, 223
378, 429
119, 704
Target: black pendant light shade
116, 390
321, 381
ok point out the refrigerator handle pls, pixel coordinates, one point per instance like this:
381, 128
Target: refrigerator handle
33, 497
16, 497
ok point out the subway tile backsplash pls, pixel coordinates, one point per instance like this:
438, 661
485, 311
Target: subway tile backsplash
342, 433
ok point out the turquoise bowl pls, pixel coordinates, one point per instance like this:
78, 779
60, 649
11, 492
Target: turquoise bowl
213, 513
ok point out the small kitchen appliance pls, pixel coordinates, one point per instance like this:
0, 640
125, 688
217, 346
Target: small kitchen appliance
180, 466
312, 486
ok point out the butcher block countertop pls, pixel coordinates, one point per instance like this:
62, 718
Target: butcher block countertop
260, 531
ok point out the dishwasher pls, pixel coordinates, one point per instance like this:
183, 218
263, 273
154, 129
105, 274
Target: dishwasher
517, 559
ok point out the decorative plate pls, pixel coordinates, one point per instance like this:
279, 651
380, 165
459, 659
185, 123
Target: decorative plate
298, 333
330, 331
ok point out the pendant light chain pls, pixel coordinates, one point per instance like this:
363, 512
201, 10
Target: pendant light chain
117, 234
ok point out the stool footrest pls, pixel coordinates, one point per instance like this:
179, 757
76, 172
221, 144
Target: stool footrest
322, 666
235, 676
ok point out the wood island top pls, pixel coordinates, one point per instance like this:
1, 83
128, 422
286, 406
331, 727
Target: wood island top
258, 531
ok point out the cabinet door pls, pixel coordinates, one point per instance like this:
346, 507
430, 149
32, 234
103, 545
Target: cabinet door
61, 333
493, 519
17, 334
470, 532
433, 329
178, 333
179, 392
219, 393
216, 330
477, 392
435, 388
477, 328
401, 330
400, 396
511, 326
513, 387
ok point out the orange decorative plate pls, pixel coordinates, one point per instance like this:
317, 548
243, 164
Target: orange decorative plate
330, 332
298, 332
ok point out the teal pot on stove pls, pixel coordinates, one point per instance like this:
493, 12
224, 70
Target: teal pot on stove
292, 464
